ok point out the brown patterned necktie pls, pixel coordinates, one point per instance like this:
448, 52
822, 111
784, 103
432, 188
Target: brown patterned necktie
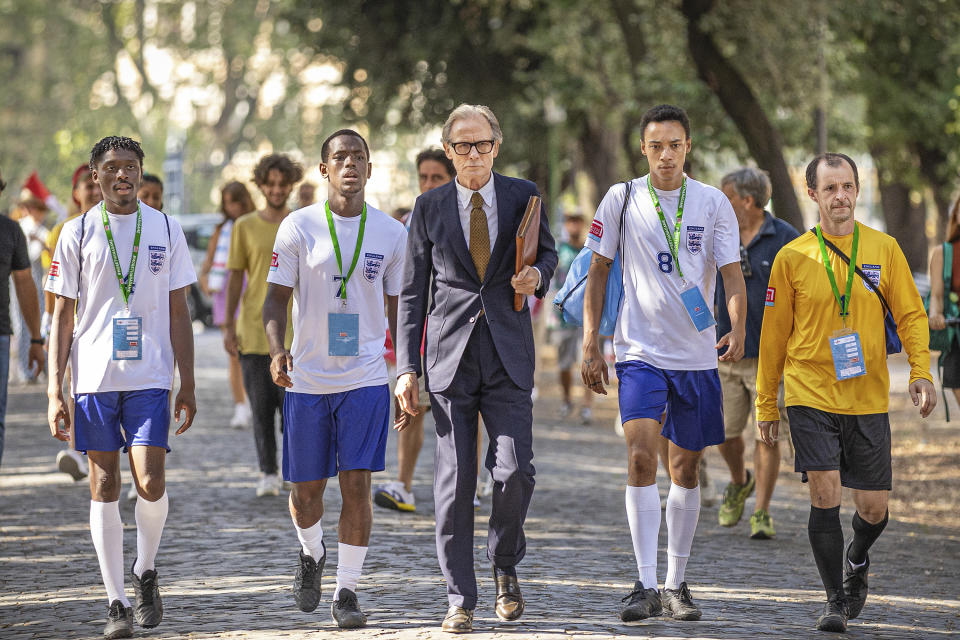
479, 235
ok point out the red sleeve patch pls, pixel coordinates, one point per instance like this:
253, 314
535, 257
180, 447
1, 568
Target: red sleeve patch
771, 296
54, 269
596, 229
274, 261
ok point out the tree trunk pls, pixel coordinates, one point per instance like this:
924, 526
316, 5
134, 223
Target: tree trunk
598, 148
740, 103
932, 164
902, 217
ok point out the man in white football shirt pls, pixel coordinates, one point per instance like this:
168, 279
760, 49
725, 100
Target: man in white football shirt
339, 259
676, 233
126, 267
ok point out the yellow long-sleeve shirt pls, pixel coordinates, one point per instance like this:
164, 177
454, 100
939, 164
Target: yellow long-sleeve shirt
802, 313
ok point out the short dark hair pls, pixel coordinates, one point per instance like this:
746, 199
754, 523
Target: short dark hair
115, 143
325, 147
149, 177
832, 160
664, 113
437, 155
292, 172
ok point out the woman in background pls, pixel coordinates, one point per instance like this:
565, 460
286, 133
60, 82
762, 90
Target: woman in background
235, 201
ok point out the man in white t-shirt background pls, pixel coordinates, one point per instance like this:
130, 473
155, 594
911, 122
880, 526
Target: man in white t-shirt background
677, 233
340, 259
126, 267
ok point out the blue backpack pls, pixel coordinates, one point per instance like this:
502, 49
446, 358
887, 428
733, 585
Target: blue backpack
569, 300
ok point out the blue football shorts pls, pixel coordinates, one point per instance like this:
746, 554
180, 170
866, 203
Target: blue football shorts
114, 420
324, 434
692, 400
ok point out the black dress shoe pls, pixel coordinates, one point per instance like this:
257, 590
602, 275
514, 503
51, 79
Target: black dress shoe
509, 599
458, 620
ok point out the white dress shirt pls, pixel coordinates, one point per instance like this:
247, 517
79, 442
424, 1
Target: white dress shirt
489, 195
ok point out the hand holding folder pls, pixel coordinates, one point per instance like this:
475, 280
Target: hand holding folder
528, 242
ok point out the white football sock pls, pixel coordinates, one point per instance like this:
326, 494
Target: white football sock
349, 567
311, 539
683, 511
643, 514
151, 516
107, 533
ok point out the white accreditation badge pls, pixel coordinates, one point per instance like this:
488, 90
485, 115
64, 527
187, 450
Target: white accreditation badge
847, 354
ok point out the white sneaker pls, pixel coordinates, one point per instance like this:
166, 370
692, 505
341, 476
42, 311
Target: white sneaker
242, 416
393, 495
72, 463
269, 485
132, 492
586, 415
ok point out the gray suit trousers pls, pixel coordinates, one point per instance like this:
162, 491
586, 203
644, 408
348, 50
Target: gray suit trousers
481, 386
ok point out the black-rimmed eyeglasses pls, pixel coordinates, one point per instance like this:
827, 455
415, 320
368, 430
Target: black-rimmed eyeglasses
463, 148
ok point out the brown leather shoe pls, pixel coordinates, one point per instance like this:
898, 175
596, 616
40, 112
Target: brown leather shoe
458, 620
509, 599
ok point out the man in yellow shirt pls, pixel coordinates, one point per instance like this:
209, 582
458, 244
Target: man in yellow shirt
251, 254
823, 330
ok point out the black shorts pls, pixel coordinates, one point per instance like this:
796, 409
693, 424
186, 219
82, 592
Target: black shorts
857, 445
951, 368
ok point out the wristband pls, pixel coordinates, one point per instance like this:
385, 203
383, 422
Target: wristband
36, 341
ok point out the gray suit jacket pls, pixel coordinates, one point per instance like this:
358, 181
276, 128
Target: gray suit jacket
438, 262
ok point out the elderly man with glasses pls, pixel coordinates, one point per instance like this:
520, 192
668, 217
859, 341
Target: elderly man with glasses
761, 236
478, 354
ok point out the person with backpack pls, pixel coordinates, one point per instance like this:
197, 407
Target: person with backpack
828, 336
944, 291
678, 237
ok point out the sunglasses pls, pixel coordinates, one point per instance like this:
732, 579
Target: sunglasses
745, 262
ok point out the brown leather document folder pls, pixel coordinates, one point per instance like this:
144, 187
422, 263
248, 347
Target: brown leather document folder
528, 241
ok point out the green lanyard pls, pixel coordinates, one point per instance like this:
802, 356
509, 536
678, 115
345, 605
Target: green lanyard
851, 269
125, 288
336, 248
673, 241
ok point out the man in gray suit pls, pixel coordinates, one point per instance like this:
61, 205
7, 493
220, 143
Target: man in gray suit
479, 354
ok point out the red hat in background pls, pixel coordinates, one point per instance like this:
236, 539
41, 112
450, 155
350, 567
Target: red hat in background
84, 168
36, 187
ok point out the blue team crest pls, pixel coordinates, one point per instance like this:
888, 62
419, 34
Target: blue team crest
872, 271
157, 256
694, 239
372, 262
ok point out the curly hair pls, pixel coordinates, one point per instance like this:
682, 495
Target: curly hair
291, 171
114, 143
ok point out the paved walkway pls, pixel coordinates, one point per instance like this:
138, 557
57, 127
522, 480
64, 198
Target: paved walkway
227, 558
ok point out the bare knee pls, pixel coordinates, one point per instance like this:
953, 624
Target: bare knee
306, 498
686, 475
104, 485
355, 486
641, 465
871, 505
151, 487
824, 489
